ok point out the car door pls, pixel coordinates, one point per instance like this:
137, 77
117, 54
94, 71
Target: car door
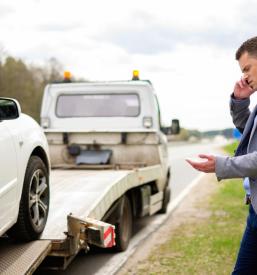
8, 177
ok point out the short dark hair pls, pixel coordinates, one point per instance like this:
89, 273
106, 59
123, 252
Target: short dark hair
250, 46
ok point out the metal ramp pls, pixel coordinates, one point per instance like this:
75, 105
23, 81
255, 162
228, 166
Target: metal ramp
22, 258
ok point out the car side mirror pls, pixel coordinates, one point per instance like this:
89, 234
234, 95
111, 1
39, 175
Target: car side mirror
9, 108
175, 128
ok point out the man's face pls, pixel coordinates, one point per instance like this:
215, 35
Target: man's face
248, 65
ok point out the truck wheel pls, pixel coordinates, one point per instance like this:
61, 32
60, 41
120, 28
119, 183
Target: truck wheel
34, 203
123, 228
166, 200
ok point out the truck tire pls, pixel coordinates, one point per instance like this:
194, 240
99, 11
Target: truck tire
123, 228
34, 203
166, 200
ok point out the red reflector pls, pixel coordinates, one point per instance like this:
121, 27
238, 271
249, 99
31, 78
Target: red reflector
109, 237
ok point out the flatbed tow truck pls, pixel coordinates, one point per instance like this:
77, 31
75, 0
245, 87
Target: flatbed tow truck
102, 177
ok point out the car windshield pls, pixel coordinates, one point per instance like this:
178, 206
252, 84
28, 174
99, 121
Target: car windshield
98, 105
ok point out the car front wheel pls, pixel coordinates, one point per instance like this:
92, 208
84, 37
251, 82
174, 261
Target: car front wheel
34, 203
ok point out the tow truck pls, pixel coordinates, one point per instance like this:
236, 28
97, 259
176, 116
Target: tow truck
109, 166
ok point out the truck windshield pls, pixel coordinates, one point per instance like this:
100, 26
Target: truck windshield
98, 105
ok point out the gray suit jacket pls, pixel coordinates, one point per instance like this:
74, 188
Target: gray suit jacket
244, 163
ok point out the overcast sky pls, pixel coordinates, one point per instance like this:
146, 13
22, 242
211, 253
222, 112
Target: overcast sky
186, 48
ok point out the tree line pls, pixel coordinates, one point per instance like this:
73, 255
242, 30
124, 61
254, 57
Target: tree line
26, 82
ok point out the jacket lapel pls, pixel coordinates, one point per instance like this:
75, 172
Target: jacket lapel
254, 124
247, 134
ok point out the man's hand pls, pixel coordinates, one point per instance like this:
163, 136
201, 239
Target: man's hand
242, 89
208, 166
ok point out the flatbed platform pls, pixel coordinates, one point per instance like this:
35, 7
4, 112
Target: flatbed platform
88, 193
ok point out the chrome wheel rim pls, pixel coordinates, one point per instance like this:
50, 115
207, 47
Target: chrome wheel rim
38, 199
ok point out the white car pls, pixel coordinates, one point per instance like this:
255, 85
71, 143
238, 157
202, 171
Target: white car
24, 174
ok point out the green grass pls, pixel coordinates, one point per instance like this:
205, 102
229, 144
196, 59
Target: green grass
207, 245
230, 148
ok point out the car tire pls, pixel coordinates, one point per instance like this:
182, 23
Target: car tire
166, 200
123, 228
34, 203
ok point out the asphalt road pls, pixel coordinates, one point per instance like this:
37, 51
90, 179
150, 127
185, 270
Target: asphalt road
103, 262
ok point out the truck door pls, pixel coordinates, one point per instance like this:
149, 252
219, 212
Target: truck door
8, 177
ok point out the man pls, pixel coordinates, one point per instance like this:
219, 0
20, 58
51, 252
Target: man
244, 163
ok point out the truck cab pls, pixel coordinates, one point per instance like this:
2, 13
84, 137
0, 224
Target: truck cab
127, 105
112, 115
